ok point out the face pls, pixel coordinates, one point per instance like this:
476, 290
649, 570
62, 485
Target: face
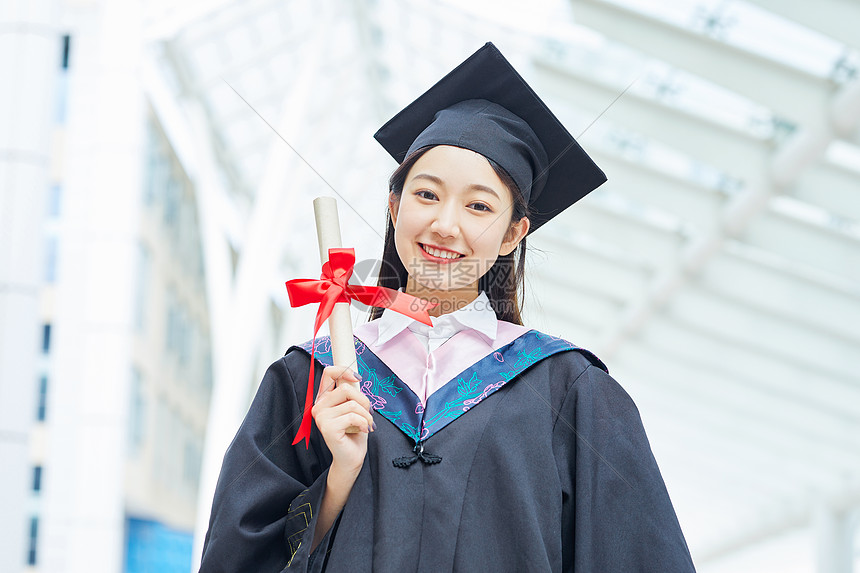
453, 219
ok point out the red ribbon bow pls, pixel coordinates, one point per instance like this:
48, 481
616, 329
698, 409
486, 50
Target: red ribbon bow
333, 287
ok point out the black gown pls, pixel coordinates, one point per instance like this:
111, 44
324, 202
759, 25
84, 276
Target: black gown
546, 469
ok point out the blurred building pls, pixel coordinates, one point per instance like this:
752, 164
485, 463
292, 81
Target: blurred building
116, 383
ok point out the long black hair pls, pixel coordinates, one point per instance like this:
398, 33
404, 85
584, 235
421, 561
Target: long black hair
503, 283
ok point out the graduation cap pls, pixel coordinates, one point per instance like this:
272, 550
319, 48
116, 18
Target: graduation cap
486, 106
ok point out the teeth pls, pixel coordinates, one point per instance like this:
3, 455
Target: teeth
441, 254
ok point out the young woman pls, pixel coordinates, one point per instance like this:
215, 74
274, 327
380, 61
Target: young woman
486, 446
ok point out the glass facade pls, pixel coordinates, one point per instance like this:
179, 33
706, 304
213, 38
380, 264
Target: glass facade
152, 546
42, 398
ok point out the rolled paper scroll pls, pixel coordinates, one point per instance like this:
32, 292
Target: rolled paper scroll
340, 321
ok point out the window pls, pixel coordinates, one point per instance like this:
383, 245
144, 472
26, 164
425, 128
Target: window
144, 266
137, 412
51, 259
171, 338
55, 193
156, 168
62, 92
207, 371
183, 335
42, 398
46, 338
172, 200
191, 459
37, 478
34, 536
161, 442
67, 40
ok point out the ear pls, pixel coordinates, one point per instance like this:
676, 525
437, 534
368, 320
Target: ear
393, 206
515, 234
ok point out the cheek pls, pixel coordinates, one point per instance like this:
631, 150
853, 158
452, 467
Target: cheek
399, 242
410, 223
404, 235
488, 241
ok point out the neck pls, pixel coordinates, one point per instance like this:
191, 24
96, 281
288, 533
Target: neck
446, 300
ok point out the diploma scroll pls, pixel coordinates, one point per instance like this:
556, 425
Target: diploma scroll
340, 321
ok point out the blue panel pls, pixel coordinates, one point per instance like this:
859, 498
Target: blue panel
152, 547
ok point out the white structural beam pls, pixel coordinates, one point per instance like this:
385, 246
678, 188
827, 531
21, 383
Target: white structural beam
734, 294
779, 522
830, 187
368, 57
811, 245
758, 328
770, 373
185, 129
845, 112
180, 15
252, 63
238, 314
729, 150
778, 421
777, 369
835, 18
588, 269
789, 268
732, 439
261, 253
646, 243
745, 415
701, 471
759, 370
806, 304
834, 542
589, 308
753, 76
715, 405
642, 184
703, 449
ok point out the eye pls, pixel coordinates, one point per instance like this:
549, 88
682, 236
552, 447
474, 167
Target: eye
425, 194
481, 207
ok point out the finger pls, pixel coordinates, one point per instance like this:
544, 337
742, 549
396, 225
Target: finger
330, 422
350, 407
335, 395
352, 420
347, 376
344, 394
328, 380
332, 375
353, 393
326, 418
326, 385
339, 373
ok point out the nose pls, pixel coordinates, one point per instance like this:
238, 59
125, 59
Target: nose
446, 223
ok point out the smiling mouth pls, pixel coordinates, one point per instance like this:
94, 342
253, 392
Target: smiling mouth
440, 253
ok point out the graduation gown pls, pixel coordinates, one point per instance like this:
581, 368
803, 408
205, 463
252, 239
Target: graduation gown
544, 466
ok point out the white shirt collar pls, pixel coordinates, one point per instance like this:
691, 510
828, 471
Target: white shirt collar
477, 315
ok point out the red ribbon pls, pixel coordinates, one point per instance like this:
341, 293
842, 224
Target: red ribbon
333, 287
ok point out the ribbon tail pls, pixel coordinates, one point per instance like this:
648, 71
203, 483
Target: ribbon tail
304, 432
400, 302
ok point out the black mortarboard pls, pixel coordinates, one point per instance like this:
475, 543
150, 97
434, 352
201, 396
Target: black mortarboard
486, 106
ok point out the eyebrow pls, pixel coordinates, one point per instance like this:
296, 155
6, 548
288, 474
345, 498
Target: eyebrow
438, 181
